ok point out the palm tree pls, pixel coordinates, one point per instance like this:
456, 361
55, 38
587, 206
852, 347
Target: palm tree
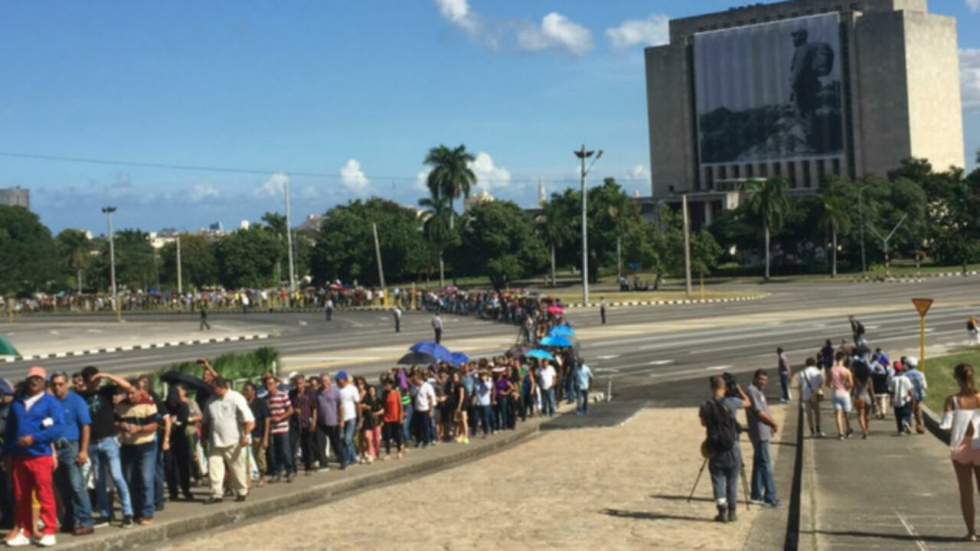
834, 216
437, 227
76, 249
768, 204
553, 226
451, 175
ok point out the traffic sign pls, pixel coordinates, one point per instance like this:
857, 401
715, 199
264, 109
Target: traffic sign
922, 305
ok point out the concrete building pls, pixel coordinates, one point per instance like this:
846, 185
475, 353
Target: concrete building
15, 197
804, 90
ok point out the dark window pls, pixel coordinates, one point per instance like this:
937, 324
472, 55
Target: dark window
791, 169
735, 172
749, 172
777, 169
821, 171
806, 174
709, 177
764, 170
835, 166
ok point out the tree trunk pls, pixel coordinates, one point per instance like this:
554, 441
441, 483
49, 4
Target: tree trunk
79, 281
442, 271
767, 251
553, 282
833, 272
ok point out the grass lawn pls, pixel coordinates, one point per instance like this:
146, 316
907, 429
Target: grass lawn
939, 374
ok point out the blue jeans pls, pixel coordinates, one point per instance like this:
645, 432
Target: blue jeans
71, 487
280, 455
106, 463
763, 484
139, 465
160, 476
548, 402
407, 425
582, 401
485, 415
423, 428
349, 454
784, 384
724, 481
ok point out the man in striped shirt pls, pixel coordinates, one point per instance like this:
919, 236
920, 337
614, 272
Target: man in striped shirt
280, 452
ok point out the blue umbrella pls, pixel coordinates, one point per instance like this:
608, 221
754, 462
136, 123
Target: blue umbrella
562, 331
436, 350
540, 354
459, 359
556, 342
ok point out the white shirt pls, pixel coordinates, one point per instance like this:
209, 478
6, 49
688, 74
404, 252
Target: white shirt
228, 415
425, 397
349, 397
547, 377
900, 388
811, 380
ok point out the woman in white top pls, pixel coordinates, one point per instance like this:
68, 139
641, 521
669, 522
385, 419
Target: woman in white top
960, 418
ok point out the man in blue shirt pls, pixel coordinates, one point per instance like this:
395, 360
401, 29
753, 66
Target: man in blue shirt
583, 380
34, 423
72, 450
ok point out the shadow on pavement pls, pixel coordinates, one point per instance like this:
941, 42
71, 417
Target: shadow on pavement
645, 515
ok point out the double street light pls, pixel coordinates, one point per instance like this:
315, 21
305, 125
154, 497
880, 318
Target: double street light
584, 154
107, 211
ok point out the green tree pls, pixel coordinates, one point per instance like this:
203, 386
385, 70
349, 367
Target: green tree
705, 253
199, 265
247, 258
498, 239
451, 175
276, 224
438, 228
136, 264
27, 252
75, 253
835, 213
554, 226
768, 206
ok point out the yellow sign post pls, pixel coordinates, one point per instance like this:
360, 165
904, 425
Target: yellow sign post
922, 306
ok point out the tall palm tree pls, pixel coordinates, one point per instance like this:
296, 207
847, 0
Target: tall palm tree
437, 227
768, 204
451, 175
834, 216
76, 251
553, 226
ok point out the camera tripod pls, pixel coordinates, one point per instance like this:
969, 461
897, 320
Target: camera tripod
745, 483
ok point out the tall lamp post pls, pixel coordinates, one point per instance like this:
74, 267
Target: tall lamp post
107, 211
584, 154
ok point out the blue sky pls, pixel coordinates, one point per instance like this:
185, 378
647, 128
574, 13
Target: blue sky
352, 93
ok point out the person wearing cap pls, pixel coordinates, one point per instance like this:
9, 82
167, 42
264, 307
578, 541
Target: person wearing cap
36, 420
72, 450
900, 387
919, 386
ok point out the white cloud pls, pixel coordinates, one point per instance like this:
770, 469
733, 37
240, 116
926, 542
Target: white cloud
353, 177
556, 31
488, 174
275, 186
974, 5
652, 31
199, 193
638, 172
970, 77
458, 13
309, 192
421, 180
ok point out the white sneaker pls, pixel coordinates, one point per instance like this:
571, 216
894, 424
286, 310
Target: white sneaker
47, 540
20, 540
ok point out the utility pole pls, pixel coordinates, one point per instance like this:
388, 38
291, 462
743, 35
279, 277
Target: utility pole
584, 154
687, 246
377, 253
180, 280
864, 259
112, 261
886, 239
289, 240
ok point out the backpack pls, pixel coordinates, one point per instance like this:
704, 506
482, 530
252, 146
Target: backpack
722, 429
823, 59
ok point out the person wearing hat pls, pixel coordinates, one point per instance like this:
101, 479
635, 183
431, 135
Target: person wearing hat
900, 387
919, 386
36, 420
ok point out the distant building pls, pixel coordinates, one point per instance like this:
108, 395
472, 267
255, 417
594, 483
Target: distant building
15, 197
311, 224
158, 240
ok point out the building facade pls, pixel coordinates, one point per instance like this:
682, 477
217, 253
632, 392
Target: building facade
805, 90
15, 197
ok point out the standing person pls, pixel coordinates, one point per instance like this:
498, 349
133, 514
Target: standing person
231, 422
721, 445
425, 399
327, 421
393, 417
762, 428
484, 402
583, 380
204, 318
901, 390
372, 409
396, 314
811, 394
841, 382
437, 327
858, 332
602, 309
260, 432
137, 420
349, 398
964, 444
863, 393
304, 402
280, 451
973, 331
104, 448
35, 422
178, 452
72, 452
879, 381
782, 362
546, 376
461, 400
919, 387
827, 355
328, 308
6, 480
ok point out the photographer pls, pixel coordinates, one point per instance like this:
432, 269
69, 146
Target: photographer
718, 415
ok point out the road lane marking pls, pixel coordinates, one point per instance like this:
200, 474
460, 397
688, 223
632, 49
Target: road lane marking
718, 367
911, 530
607, 357
660, 362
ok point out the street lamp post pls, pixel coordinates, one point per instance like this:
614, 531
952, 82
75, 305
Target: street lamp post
584, 154
112, 260
289, 240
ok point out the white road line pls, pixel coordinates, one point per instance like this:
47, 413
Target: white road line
660, 362
718, 367
911, 530
608, 357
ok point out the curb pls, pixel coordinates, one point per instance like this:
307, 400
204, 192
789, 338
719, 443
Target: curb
669, 302
920, 278
166, 344
317, 494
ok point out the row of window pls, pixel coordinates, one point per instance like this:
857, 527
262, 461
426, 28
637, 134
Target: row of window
803, 174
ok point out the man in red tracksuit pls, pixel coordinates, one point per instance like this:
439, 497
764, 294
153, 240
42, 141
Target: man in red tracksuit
34, 424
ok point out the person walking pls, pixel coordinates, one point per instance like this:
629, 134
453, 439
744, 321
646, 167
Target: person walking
901, 390
582, 375
231, 423
396, 314
204, 318
280, 450
959, 421
919, 387
762, 428
973, 331
437, 327
35, 422
602, 309
72, 453
328, 308
863, 393
811, 394
879, 379
720, 446
841, 382
782, 363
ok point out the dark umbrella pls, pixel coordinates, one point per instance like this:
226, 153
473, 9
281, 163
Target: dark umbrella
417, 358
190, 381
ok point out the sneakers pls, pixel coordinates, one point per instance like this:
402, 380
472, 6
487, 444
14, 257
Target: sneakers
47, 540
127, 521
20, 540
101, 522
